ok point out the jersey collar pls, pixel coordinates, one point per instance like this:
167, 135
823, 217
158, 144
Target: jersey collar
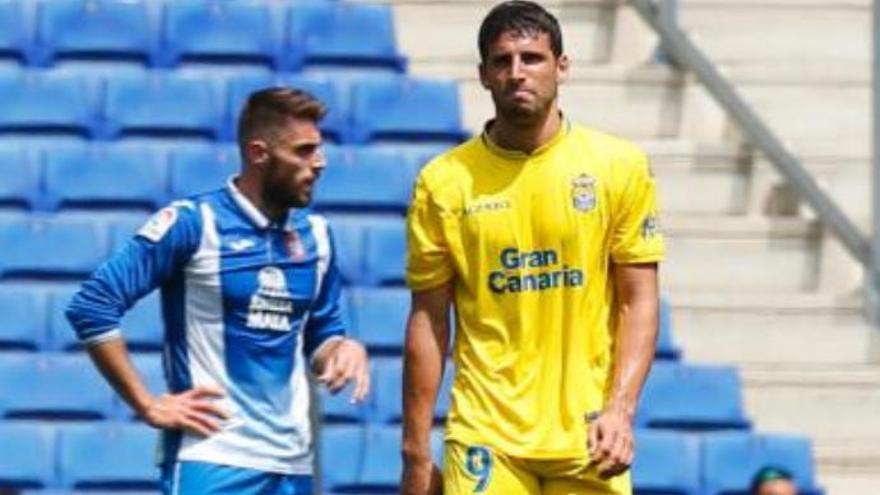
563, 131
252, 213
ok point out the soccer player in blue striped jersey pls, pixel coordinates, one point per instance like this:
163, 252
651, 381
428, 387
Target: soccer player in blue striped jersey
250, 300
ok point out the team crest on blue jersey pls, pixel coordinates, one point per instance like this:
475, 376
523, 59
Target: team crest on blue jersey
294, 245
583, 193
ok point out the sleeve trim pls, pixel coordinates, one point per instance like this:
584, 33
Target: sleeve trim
102, 337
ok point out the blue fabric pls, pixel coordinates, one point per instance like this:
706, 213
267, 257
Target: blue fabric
198, 478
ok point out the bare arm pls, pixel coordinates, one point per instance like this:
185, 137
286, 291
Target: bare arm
190, 410
427, 338
611, 439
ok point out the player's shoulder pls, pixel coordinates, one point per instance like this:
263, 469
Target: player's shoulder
452, 166
602, 143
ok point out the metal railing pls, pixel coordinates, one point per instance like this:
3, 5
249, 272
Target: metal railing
685, 55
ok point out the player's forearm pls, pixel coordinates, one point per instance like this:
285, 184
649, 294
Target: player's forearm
111, 358
636, 336
426, 342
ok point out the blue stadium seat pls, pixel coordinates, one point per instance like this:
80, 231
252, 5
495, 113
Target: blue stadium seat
20, 184
197, 169
99, 30
382, 461
86, 461
692, 397
385, 258
338, 408
22, 317
45, 102
149, 367
341, 455
387, 381
405, 109
363, 177
123, 228
32, 246
60, 335
161, 104
142, 324
14, 35
654, 473
49, 385
334, 126
379, 316
730, 459
666, 347
348, 235
91, 177
27, 458
341, 34
237, 31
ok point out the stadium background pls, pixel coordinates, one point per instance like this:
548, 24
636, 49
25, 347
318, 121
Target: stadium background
110, 108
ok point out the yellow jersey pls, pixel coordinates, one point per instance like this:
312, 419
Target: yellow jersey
529, 241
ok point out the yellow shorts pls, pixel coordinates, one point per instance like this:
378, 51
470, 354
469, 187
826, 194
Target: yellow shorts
476, 469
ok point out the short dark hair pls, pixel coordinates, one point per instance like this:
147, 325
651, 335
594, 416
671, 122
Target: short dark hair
267, 110
522, 17
769, 473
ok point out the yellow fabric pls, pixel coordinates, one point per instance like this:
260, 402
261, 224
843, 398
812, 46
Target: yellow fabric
470, 469
527, 240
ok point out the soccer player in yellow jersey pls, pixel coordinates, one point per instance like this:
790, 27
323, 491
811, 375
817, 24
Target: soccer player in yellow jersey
544, 236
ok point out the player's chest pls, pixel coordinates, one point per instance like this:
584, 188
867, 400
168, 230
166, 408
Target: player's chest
540, 207
266, 280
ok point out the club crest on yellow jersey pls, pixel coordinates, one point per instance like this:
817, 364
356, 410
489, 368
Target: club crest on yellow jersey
583, 193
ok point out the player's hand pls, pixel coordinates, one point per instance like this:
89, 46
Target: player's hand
610, 443
193, 411
347, 362
421, 478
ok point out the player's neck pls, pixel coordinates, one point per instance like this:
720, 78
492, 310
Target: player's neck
525, 138
251, 187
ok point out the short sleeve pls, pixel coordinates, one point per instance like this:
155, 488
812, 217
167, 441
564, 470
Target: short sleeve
429, 263
636, 235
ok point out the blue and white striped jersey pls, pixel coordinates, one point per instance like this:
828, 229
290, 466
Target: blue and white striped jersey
244, 301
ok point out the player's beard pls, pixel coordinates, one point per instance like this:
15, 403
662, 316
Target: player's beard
284, 191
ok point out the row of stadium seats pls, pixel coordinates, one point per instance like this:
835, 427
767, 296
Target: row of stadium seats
174, 104
366, 459
87, 176
32, 318
180, 31
371, 250
58, 386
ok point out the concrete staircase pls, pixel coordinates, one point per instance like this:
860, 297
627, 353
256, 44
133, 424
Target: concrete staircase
753, 279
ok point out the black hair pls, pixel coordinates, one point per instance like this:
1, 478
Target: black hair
522, 17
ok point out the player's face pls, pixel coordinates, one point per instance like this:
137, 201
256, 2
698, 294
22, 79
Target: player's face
523, 75
294, 165
777, 487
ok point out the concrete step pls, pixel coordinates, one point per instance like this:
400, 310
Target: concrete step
633, 102
735, 32
446, 30
731, 253
759, 328
836, 405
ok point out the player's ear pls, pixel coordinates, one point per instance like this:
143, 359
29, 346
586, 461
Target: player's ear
563, 64
256, 151
481, 70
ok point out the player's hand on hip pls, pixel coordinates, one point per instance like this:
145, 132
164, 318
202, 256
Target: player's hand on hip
193, 411
347, 362
610, 444
421, 478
